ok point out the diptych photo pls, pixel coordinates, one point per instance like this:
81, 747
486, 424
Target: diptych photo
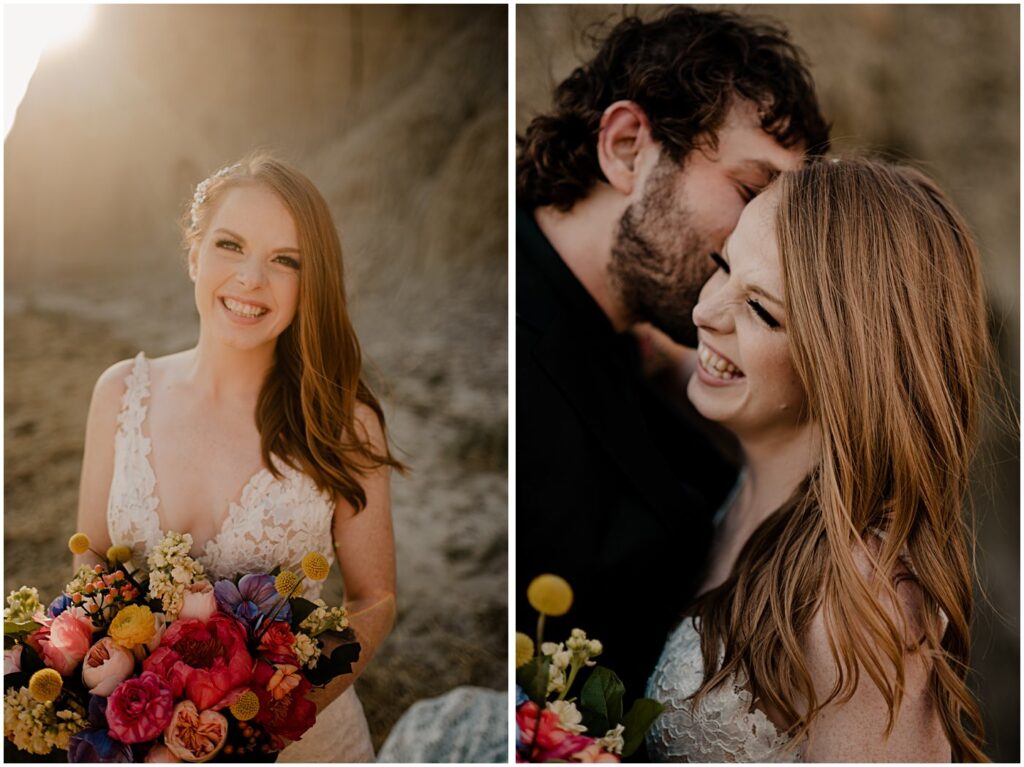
510, 383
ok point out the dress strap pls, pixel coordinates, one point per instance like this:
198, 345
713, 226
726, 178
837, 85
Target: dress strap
133, 405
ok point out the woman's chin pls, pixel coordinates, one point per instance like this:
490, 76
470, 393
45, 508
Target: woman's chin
715, 403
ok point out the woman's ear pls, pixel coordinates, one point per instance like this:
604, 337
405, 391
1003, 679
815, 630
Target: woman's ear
624, 133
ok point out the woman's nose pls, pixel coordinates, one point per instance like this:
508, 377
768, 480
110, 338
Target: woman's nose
710, 311
251, 273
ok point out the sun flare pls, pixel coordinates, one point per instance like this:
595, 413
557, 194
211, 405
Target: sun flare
29, 31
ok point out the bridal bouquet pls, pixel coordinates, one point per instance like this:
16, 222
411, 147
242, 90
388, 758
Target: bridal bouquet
551, 725
127, 665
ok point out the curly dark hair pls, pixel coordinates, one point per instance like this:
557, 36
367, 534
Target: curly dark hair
684, 69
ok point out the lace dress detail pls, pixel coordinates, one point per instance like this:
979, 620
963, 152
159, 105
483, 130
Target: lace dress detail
724, 728
275, 522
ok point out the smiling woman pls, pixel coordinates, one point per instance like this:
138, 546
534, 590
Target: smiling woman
308, 473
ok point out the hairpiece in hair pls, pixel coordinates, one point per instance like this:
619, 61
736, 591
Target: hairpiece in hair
204, 185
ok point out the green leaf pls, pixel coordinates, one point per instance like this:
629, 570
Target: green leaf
17, 629
638, 721
601, 701
533, 678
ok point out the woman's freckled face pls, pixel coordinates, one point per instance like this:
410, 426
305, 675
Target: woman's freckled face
741, 321
246, 268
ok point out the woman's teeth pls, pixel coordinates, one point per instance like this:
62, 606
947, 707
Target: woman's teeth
717, 366
243, 310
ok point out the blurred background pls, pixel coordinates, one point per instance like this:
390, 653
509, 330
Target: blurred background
399, 115
938, 85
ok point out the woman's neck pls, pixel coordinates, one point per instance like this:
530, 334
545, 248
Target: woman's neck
775, 464
227, 374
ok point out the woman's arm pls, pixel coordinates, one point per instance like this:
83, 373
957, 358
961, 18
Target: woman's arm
365, 548
98, 459
854, 731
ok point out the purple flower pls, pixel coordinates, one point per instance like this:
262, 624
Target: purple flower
97, 746
58, 605
252, 601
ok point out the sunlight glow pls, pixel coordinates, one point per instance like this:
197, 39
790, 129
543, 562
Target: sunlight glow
29, 31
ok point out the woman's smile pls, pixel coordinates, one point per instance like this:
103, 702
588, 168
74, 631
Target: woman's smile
716, 369
245, 312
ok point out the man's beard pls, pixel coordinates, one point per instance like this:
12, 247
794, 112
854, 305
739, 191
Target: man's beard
659, 260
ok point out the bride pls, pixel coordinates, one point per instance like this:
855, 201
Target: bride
843, 341
263, 441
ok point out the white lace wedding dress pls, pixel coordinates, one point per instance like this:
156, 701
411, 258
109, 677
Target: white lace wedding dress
723, 728
275, 522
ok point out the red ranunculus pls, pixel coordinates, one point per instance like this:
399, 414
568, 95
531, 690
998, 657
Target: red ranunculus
278, 643
139, 709
286, 715
207, 662
550, 733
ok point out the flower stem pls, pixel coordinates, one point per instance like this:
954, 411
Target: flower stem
279, 606
540, 631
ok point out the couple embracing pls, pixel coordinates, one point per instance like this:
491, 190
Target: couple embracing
767, 535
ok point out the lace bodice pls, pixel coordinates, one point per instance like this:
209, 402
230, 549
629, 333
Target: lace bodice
724, 728
274, 522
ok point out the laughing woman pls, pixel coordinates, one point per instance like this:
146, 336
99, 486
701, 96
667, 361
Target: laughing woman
263, 441
843, 340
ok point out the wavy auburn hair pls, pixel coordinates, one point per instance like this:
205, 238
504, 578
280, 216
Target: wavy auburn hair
887, 330
684, 69
305, 412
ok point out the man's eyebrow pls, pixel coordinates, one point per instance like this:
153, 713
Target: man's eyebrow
241, 239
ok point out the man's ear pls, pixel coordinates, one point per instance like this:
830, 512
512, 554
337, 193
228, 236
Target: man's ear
625, 132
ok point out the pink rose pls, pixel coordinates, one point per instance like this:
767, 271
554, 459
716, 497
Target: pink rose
577, 748
195, 737
200, 602
12, 659
106, 665
160, 754
140, 709
64, 642
207, 663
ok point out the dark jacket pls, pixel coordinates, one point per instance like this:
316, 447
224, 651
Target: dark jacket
614, 490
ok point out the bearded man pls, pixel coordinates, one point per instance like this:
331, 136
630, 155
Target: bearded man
624, 191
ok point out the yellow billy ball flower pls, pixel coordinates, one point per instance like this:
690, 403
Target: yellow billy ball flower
45, 685
524, 649
118, 555
550, 595
133, 626
78, 543
287, 584
246, 707
315, 566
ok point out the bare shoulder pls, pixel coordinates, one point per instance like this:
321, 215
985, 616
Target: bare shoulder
855, 730
109, 388
368, 425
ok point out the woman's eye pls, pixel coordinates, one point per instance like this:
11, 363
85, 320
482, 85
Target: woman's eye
761, 312
229, 244
291, 263
720, 262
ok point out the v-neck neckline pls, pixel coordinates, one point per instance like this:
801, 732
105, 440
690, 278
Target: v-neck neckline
233, 506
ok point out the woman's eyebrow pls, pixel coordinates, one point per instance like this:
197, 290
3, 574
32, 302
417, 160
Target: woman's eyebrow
241, 239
